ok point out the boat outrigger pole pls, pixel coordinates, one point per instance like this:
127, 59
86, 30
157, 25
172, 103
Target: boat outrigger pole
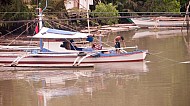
87, 14
40, 21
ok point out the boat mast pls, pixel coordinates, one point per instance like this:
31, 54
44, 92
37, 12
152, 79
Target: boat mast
186, 18
40, 21
87, 13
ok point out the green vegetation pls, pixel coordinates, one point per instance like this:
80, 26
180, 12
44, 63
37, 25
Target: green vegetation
15, 10
164, 6
148, 5
106, 10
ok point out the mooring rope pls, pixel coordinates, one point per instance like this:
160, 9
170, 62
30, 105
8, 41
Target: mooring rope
175, 62
163, 57
64, 26
49, 24
169, 59
19, 35
104, 43
14, 30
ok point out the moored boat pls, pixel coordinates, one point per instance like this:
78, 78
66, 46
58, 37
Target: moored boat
159, 22
60, 55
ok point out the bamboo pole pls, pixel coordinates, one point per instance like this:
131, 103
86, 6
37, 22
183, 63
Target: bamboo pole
186, 18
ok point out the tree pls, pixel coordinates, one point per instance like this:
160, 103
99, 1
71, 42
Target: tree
183, 4
162, 6
13, 10
148, 5
106, 10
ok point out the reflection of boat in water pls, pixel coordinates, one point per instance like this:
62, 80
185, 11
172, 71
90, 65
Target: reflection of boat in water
98, 82
126, 66
159, 22
54, 76
63, 84
57, 84
50, 93
187, 42
159, 33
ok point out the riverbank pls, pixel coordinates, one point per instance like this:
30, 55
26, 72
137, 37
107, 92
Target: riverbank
106, 29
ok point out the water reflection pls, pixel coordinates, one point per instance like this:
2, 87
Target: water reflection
124, 66
79, 83
46, 86
159, 33
161, 80
187, 41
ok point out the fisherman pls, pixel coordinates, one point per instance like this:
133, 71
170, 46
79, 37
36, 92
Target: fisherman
117, 41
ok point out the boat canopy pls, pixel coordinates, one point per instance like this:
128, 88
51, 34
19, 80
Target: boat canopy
55, 33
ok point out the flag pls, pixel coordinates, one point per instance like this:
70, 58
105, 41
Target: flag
36, 29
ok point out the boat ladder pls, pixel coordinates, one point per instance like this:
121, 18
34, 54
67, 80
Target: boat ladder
16, 61
80, 58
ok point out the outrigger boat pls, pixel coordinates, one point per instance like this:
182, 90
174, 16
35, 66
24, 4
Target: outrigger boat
51, 54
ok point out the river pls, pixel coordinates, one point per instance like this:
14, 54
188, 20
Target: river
161, 80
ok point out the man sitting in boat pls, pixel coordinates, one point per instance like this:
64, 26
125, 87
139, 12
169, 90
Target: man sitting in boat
117, 41
96, 46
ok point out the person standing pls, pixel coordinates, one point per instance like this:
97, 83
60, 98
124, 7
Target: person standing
117, 41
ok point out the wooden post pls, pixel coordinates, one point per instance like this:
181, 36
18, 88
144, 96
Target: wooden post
187, 18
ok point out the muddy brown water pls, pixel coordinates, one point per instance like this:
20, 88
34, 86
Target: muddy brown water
162, 80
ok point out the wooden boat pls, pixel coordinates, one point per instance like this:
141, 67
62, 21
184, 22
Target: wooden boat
159, 22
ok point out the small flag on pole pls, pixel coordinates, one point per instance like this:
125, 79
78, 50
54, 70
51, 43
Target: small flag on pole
36, 29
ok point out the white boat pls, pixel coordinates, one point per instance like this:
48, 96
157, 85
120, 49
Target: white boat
159, 22
56, 55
